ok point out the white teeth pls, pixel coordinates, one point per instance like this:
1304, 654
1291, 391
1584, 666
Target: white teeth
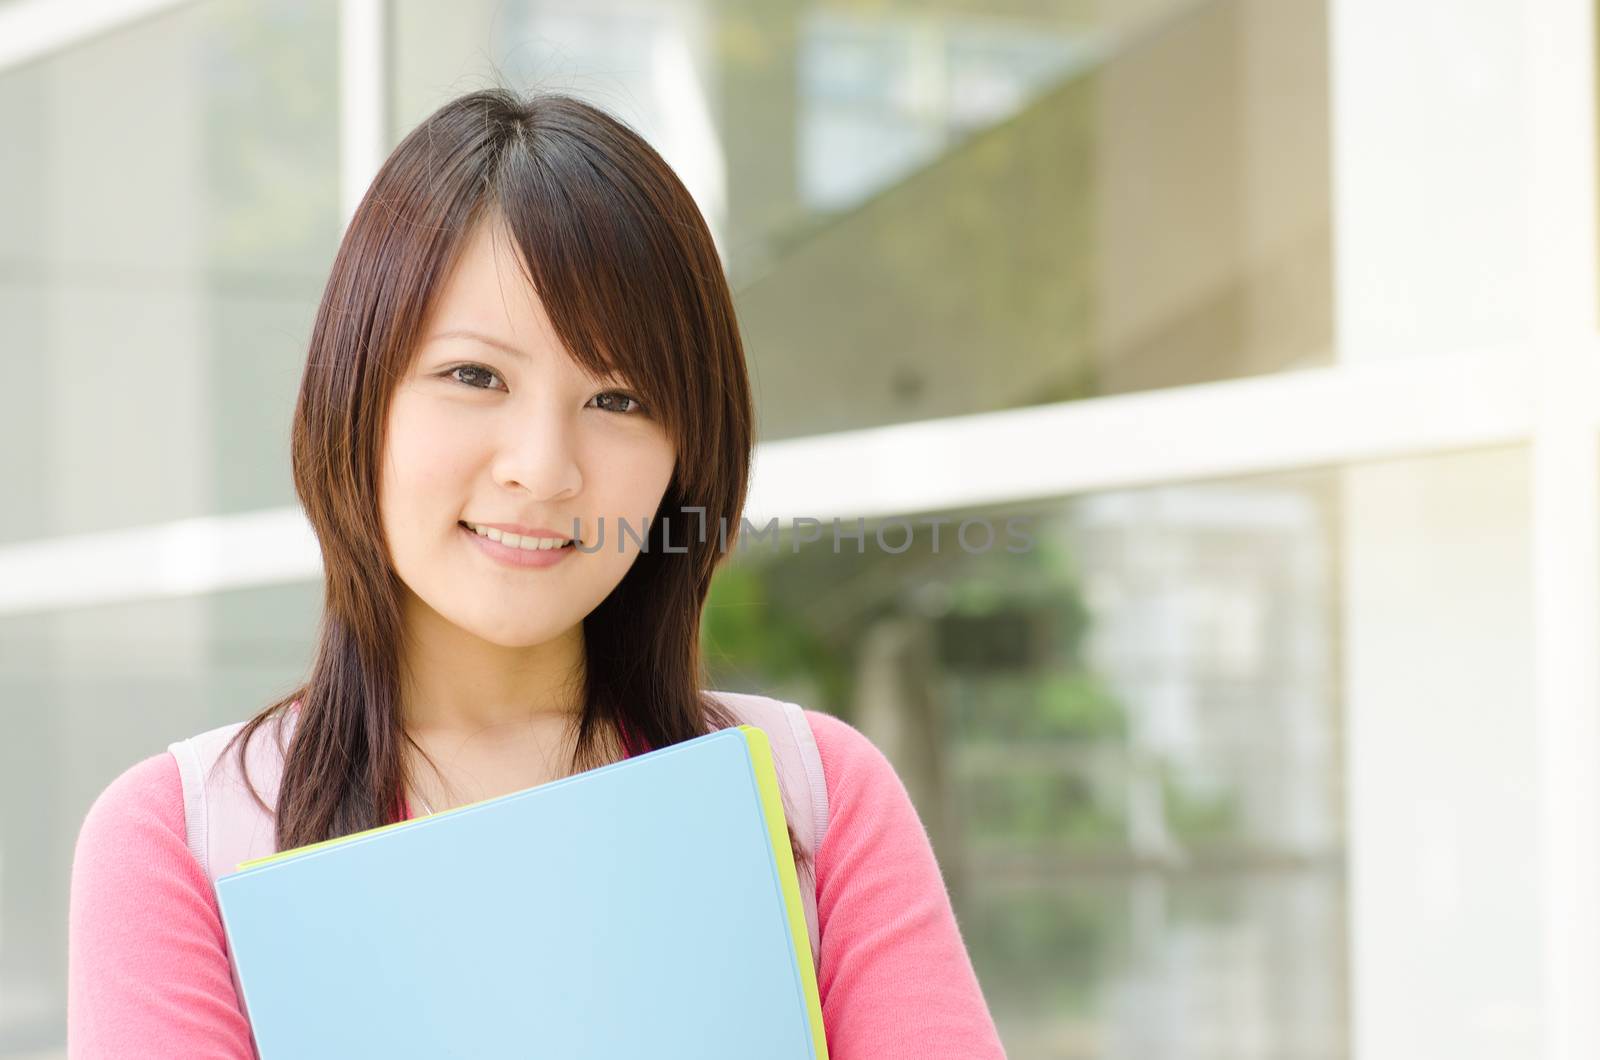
514, 541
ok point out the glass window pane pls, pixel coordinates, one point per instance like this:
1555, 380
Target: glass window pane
1128, 740
168, 213
84, 695
959, 211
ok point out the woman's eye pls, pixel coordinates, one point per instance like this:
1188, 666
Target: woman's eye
610, 400
616, 398
478, 370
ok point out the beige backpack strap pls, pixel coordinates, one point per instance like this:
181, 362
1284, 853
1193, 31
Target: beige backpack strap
800, 779
223, 822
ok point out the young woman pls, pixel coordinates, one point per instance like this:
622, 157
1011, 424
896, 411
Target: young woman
526, 332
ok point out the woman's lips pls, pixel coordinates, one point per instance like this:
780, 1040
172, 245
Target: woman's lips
522, 558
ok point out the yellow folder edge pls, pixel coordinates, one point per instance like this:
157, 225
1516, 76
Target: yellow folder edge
777, 831
294, 852
788, 878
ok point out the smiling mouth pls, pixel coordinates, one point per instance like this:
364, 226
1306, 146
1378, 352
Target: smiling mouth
526, 548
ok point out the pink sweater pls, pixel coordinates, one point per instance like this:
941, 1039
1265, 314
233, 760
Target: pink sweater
147, 963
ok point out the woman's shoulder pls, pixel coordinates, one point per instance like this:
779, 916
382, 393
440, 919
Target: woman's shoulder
145, 796
840, 736
132, 837
851, 762
844, 739
850, 759
139, 900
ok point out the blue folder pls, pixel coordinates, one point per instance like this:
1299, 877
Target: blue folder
647, 908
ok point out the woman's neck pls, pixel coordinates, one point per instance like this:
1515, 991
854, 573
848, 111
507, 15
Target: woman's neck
455, 768
453, 681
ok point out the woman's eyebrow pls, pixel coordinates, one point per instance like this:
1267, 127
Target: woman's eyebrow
467, 333
614, 375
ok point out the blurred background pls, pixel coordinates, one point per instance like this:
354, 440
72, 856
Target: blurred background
1274, 318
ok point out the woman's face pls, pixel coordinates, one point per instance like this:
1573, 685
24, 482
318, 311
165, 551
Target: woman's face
506, 428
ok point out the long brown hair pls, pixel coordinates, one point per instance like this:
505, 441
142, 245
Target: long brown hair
630, 279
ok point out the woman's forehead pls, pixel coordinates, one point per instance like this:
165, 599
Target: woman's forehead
489, 298
488, 291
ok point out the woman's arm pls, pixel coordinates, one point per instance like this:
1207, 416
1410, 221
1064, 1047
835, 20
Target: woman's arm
895, 978
147, 964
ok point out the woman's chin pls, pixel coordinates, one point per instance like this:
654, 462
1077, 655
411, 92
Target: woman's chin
517, 635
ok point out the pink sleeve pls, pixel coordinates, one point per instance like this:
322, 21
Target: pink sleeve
895, 978
147, 967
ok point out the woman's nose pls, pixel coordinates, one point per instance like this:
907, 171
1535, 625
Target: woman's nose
542, 460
